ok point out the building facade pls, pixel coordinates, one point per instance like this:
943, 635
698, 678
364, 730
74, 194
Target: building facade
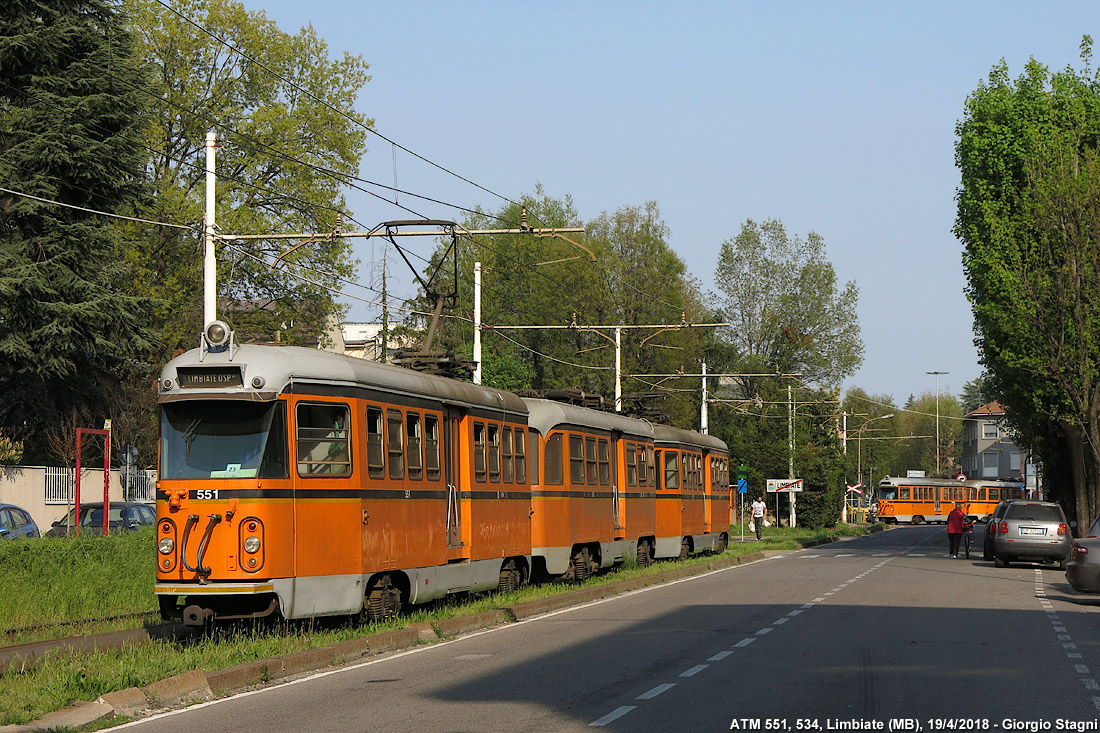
989, 448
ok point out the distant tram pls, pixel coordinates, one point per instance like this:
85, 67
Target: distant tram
920, 500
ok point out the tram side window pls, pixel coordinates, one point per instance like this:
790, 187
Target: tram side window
507, 466
576, 459
376, 463
604, 458
494, 453
649, 467
631, 464
590, 459
395, 448
672, 470
479, 452
413, 442
431, 447
554, 461
324, 444
521, 456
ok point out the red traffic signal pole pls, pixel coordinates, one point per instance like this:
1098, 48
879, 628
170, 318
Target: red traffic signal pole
106, 477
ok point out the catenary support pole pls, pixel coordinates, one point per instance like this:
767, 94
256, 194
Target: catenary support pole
477, 323
210, 266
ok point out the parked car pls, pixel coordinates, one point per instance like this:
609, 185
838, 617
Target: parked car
16, 523
123, 516
991, 525
1083, 568
1032, 531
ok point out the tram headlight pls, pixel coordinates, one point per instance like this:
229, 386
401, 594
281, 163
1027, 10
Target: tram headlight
252, 545
166, 546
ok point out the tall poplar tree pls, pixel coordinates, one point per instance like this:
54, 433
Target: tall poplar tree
1029, 218
71, 101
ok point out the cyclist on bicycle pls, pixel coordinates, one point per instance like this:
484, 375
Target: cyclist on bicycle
957, 524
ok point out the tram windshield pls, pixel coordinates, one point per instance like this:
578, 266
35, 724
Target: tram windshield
223, 439
887, 493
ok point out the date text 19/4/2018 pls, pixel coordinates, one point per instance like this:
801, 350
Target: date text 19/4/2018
911, 725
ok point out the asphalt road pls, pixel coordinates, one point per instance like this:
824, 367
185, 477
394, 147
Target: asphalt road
883, 632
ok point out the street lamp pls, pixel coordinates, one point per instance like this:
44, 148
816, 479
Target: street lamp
937, 374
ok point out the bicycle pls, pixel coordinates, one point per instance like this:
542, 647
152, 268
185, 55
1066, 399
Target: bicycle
968, 538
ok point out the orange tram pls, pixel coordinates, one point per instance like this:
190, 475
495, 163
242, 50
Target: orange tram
920, 500
303, 483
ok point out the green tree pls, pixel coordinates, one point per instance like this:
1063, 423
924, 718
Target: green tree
622, 271
1029, 218
11, 451
975, 393
72, 95
788, 314
872, 441
916, 426
287, 148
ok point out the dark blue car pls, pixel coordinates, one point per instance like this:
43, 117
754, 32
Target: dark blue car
16, 523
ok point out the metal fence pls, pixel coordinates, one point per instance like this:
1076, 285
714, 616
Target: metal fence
59, 485
142, 486
137, 486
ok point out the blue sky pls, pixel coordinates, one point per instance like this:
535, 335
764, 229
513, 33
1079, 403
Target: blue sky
833, 117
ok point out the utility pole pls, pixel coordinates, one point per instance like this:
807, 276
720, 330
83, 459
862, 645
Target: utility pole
937, 374
210, 263
790, 449
384, 349
704, 418
477, 323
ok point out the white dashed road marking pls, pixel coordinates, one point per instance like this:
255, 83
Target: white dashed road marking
621, 711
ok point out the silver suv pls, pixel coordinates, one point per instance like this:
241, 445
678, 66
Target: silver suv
1032, 531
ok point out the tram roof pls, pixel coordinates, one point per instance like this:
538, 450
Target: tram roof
284, 367
545, 415
903, 481
669, 434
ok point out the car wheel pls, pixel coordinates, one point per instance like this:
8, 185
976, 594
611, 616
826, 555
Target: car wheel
1061, 564
987, 554
1000, 562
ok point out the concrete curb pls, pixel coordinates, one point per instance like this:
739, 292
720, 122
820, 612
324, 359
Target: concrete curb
198, 685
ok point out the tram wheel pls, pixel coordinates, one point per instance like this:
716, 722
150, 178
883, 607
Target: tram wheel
511, 577
383, 599
645, 554
685, 548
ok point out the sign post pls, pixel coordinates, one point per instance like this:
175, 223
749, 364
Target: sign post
742, 489
788, 486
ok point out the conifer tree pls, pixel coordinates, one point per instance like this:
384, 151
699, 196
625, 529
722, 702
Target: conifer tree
72, 97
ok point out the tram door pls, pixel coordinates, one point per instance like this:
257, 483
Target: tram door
452, 421
616, 495
706, 484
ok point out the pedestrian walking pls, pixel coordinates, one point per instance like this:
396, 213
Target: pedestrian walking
759, 510
956, 525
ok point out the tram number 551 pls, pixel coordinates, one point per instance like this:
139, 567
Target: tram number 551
201, 494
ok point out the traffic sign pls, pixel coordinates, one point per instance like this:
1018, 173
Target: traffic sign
742, 486
784, 485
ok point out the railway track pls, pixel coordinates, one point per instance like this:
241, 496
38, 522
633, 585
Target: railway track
20, 657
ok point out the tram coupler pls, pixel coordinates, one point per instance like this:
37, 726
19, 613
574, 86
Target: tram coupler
196, 615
